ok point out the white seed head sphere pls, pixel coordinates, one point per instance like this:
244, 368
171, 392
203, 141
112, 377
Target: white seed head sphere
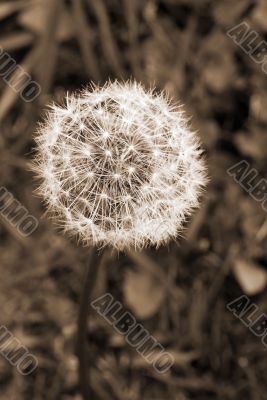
119, 166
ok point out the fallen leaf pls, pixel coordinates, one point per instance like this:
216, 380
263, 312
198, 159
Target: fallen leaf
143, 293
251, 277
258, 104
252, 144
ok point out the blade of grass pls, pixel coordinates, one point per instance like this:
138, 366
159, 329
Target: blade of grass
8, 7
16, 41
84, 37
9, 96
49, 45
108, 43
131, 11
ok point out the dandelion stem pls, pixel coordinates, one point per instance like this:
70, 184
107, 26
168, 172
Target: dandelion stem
84, 310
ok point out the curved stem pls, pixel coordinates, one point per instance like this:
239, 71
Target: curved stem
84, 310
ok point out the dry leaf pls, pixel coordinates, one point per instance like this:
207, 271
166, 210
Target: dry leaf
258, 104
143, 293
252, 144
251, 277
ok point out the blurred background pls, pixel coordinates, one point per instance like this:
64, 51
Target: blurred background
180, 292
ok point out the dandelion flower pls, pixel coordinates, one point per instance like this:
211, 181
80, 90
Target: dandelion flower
119, 166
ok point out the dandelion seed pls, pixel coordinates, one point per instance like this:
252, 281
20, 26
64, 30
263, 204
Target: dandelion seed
56, 130
116, 176
136, 192
131, 170
87, 151
108, 153
105, 134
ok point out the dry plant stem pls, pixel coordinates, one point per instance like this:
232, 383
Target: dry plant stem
9, 95
106, 36
85, 39
86, 296
49, 46
131, 13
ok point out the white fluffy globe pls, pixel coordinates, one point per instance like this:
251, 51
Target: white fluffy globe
119, 166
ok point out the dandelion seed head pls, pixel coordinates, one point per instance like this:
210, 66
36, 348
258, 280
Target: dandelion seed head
119, 166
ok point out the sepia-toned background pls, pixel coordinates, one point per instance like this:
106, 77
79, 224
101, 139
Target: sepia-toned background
179, 292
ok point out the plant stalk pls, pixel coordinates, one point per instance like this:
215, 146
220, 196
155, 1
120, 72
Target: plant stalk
84, 313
